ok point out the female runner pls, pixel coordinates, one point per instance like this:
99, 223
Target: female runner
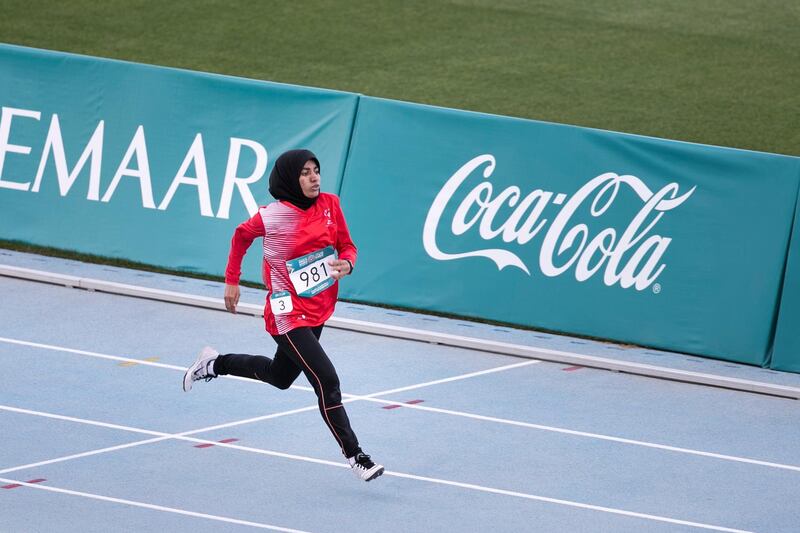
307, 249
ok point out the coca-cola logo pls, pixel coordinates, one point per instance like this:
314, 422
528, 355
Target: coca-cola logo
632, 257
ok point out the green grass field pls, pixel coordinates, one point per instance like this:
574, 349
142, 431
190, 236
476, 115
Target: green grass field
724, 72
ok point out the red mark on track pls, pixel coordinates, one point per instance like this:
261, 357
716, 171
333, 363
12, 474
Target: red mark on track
396, 405
210, 444
571, 368
15, 485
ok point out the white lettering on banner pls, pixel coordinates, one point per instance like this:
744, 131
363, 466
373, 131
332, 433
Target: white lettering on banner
137, 148
195, 155
66, 178
502, 258
565, 243
6, 114
243, 184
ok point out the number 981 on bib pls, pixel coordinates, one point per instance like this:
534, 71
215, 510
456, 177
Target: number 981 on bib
311, 273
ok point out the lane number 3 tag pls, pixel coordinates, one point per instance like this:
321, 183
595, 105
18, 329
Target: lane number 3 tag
281, 302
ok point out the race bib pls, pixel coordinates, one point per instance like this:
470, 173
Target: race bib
311, 273
281, 302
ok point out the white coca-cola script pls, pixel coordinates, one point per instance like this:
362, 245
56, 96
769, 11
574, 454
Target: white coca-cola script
633, 258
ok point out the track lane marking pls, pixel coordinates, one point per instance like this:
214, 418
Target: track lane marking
160, 436
599, 436
146, 362
468, 486
373, 398
154, 507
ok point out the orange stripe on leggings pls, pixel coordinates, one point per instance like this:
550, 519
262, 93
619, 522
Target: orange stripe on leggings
321, 394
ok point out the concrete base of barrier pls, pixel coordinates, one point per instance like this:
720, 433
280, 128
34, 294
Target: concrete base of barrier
472, 343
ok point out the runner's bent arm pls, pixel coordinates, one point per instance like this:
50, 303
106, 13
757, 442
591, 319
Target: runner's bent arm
243, 237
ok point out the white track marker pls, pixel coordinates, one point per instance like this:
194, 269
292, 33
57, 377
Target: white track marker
109, 357
583, 434
448, 380
372, 398
160, 435
153, 507
468, 486
80, 455
144, 362
90, 354
567, 503
414, 334
166, 436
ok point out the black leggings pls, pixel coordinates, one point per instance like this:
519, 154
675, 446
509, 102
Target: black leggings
299, 351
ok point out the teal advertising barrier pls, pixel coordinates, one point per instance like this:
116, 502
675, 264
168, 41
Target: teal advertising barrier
786, 351
641, 240
654, 242
151, 164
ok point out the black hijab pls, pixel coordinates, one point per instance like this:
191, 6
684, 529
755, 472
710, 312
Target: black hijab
284, 180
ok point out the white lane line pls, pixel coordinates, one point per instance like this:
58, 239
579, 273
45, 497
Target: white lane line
154, 507
298, 387
405, 333
90, 354
583, 434
448, 380
165, 436
80, 455
567, 503
75, 419
109, 357
160, 435
468, 486
372, 398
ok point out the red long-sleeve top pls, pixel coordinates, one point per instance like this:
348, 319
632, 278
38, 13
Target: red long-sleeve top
289, 233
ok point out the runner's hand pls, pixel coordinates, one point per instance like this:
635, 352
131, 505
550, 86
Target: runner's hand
231, 297
339, 268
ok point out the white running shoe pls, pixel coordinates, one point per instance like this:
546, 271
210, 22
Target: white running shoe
364, 468
202, 368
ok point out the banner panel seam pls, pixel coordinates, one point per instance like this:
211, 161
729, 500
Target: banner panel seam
778, 304
353, 124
